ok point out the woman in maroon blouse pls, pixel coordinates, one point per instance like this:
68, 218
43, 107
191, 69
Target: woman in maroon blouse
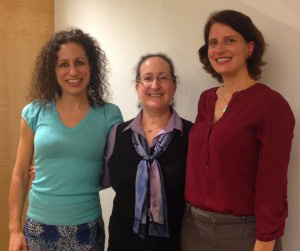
239, 146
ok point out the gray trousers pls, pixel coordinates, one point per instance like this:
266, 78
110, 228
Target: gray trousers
209, 231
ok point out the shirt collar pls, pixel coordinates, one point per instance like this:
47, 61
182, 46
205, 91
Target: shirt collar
174, 122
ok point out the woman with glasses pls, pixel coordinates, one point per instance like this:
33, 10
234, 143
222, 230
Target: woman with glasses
239, 146
146, 159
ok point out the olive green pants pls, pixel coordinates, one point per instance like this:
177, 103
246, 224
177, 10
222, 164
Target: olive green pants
209, 231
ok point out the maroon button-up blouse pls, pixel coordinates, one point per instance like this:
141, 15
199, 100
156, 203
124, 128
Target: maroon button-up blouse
239, 164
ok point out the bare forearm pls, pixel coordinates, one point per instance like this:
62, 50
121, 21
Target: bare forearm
17, 195
264, 246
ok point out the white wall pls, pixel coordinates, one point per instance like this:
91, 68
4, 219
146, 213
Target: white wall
127, 29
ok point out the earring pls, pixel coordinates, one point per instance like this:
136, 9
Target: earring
139, 103
172, 103
248, 57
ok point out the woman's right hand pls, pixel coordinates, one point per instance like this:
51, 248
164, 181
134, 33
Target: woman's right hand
17, 242
32, 172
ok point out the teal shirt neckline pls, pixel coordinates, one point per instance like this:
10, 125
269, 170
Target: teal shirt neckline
77, 126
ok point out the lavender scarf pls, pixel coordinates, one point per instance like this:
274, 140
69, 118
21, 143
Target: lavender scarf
150, 196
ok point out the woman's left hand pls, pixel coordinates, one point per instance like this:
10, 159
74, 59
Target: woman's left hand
264, 246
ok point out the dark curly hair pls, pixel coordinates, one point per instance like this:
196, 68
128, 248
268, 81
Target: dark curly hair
244, 26
44, 86
163, 56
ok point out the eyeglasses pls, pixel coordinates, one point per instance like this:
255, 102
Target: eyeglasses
149, 80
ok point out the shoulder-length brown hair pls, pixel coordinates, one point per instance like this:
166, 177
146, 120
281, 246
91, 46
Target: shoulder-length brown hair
244, 26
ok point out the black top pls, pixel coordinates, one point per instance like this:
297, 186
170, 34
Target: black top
122, 172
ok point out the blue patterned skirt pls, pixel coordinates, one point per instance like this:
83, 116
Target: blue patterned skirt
84, 237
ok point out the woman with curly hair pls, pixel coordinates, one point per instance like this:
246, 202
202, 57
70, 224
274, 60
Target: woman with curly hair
239, 146
64, 131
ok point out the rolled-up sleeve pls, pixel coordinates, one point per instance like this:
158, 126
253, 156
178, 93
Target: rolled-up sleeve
275, 134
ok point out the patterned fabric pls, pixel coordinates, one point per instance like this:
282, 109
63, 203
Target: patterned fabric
84, 237
150, 186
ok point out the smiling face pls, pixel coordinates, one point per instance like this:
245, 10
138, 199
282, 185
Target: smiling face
157, 95
72, 69
227, 50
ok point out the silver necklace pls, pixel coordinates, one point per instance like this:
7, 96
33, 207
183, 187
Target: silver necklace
225, 108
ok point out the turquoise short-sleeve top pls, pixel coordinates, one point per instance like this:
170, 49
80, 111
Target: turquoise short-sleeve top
68, 163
